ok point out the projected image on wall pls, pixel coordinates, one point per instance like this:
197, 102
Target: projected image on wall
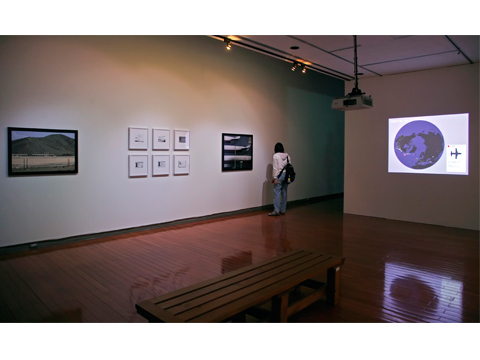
428, 144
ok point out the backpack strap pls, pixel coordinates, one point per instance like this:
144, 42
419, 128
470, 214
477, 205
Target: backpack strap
281, 171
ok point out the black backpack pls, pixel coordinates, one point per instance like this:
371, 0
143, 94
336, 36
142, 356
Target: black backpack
290, 172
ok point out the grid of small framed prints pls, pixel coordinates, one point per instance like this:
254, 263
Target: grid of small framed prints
138, 141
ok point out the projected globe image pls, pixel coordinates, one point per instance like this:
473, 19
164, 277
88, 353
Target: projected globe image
419, 144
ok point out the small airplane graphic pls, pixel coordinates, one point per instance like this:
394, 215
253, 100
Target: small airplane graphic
456, 153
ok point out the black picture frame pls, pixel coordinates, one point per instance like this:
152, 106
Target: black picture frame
34, 151
237, 152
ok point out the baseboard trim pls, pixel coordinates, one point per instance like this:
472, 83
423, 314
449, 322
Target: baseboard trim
78, 238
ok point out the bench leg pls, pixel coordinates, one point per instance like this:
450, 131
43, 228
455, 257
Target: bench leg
240, 317
296, 290
333, 285
280, 307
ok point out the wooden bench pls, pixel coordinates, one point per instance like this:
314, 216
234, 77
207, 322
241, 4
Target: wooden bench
271, 290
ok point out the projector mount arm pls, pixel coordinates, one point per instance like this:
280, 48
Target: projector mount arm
356, 90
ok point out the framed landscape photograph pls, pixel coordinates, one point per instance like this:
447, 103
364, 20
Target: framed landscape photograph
237, 152
182, 164
137, 138
137, 165
161, 139
182, 140
42, 151
161, 165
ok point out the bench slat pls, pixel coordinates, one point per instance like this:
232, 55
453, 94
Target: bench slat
261, 295
238, 283
223, 287
218, 279
154, 313
257, 293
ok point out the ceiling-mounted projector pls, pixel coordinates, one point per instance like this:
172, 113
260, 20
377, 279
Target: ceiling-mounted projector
352, 102
356, 100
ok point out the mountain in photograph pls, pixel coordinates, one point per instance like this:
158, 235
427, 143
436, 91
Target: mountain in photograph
58, 144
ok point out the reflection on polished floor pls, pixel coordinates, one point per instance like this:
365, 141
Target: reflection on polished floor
394, 271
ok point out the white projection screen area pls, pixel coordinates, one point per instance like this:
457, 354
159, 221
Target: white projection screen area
428, 144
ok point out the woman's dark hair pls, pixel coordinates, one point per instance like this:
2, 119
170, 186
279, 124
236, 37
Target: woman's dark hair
279, 148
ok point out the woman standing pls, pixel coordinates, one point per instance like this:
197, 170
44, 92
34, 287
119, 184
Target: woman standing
280, 184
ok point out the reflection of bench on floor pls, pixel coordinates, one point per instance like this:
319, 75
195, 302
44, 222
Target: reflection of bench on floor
271, 290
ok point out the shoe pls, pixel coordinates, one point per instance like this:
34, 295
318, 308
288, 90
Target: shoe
273, 214
282, 213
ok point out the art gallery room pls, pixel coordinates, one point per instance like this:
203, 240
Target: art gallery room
137, 174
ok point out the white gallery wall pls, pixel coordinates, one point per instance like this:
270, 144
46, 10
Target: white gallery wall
370, 190
103, 85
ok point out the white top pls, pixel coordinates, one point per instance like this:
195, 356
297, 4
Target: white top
279, 162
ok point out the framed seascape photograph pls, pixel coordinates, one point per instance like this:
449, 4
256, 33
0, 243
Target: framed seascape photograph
182, 164
42, 151
161, 139
137, 165
161, 165
182, 140
237, 152
137, 138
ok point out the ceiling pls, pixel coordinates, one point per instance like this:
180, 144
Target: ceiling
378, 55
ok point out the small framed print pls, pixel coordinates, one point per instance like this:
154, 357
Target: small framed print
137, 165
182, 164
182, 140
161, 139
137, 138
161, 165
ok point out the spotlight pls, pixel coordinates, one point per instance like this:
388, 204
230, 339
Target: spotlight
229, 44
304, 69
294, 66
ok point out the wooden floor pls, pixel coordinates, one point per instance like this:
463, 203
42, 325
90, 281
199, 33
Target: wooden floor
394, 271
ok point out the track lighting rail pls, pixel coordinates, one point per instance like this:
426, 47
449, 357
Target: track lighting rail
255, 48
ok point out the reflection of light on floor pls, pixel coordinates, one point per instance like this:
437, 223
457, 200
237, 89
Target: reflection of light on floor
412, 293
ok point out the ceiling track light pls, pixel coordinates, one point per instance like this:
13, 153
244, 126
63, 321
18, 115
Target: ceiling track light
229, 44
304, 68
